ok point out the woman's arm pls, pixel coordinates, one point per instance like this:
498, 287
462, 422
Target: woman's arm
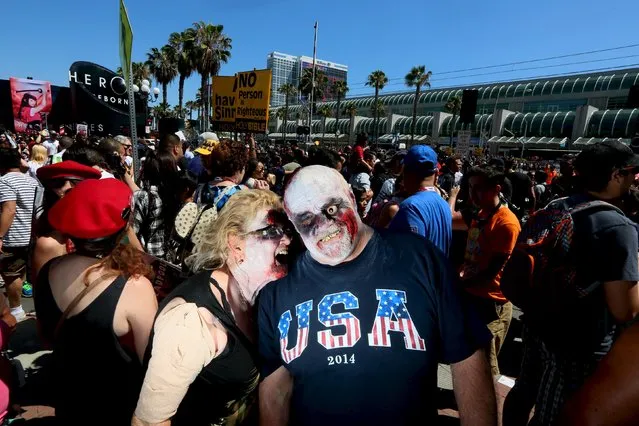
183, 344
142, 305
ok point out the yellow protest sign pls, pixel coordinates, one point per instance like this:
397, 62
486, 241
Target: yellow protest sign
252, 94
224, 102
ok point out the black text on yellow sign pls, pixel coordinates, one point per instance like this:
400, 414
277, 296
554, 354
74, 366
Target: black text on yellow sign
253, 92
224, 102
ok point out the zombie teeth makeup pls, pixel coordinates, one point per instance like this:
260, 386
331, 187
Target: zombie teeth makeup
330, 236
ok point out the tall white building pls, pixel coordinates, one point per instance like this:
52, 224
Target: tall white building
288, 69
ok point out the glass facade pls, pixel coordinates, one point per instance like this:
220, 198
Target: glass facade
288, 69
285, 70
621, 123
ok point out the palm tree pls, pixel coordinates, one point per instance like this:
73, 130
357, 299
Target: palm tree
453, 106
199, 102
306, 85
140, 72
190, 106
212, 49
417, 77
163, 66
378, 80
378, 109
288, 90
340, 88
350, 110
163, 111
183, 46
324, 111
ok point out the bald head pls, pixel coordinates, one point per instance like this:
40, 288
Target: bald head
322, 207
312, 183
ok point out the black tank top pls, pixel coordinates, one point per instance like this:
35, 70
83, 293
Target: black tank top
96, 380
225, 390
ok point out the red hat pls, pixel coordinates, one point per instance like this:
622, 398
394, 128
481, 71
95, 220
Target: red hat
68, 170
93, 209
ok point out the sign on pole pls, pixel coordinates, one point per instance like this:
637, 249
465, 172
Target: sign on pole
126, 48
224, 104
463, 143
252, 93
126, 41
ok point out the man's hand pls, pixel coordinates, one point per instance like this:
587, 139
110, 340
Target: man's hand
475, 391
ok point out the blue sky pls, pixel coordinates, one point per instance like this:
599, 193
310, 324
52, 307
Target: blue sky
44, 39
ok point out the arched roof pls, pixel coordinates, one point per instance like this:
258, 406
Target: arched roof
541, 124
620, 123
574, 84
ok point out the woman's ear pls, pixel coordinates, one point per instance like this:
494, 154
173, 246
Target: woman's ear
236, 247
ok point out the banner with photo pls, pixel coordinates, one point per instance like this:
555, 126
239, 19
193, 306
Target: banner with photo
32, 101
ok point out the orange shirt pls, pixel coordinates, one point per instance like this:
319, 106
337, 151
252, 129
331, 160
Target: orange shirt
487, 238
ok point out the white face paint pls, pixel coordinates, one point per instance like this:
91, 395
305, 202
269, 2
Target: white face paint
263, 245
322, 208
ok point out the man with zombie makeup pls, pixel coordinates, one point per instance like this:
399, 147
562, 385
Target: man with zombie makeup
353, 335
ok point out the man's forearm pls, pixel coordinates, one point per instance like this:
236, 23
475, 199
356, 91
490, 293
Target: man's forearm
6, 219
275, 398
475, 391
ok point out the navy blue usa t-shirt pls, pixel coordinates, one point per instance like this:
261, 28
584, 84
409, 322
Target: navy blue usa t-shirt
362, 339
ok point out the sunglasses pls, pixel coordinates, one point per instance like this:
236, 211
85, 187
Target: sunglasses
271, 232
59, 183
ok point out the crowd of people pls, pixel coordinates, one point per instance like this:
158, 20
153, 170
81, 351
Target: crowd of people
320, 286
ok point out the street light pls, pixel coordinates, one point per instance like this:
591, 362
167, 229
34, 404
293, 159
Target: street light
147, 95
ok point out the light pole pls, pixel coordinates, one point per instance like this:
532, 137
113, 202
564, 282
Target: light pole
144, 91
523, 141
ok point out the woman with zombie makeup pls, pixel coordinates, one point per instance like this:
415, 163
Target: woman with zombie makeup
203, 356
95, 307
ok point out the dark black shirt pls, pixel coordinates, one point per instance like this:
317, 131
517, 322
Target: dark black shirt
521, 185
96, 379
226, 387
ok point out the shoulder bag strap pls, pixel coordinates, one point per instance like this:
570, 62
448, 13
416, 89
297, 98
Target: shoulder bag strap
77, 300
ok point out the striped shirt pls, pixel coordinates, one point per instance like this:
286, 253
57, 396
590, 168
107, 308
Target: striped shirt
18, 187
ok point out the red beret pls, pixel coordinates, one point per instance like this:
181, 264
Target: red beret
67, 169
93, 209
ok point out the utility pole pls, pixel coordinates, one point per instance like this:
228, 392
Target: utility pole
310, 114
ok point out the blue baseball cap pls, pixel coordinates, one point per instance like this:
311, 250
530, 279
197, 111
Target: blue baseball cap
421, 158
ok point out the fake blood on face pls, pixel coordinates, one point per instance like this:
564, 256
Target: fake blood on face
350, 220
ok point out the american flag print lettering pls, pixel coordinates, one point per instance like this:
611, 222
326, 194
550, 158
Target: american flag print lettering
346, 319
302, 311
392, 315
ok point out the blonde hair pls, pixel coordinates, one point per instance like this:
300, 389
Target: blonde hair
212, 251
39, 153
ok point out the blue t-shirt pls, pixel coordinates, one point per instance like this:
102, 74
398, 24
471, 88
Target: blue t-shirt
362, 339
426, 214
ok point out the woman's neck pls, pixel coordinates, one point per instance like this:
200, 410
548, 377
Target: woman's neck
231, 287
